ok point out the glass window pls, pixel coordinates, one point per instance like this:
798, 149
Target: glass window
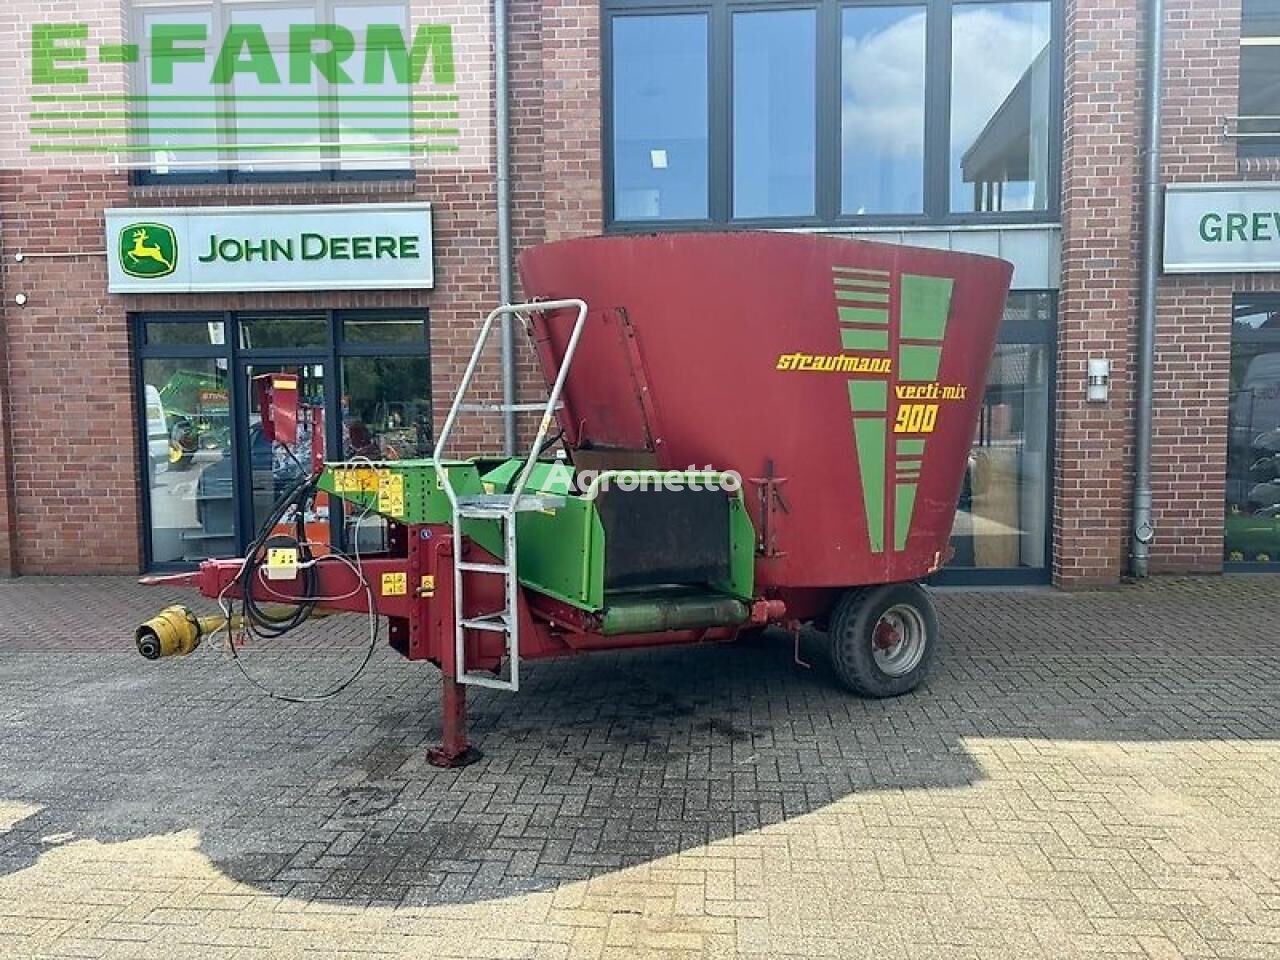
265, 333
659, 98
386, 415
379, 128
882, 75
404, 331
263, 119
730, 111
380, 408
1253, 437
1259, 125
189, 471
185, 133
194, 333
774, 114
258, 127
1002, 519
275, 465
1000, 83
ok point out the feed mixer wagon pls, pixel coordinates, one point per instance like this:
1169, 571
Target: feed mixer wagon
741, 430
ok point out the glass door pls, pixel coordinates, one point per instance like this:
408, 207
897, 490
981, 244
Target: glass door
1002, 525
188, 459
270, 468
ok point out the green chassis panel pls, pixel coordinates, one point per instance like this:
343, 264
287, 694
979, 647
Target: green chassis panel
560, 552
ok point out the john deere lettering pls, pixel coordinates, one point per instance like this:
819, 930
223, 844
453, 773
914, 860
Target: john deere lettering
309, 246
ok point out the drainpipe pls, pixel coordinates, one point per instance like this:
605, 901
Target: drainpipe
502, 120
1152, 197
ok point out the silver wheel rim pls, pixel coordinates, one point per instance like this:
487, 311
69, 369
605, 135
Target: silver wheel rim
898, 640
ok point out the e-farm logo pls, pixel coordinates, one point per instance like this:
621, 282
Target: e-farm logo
317, 89
148, 250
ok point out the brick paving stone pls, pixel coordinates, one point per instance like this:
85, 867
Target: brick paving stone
1084, 775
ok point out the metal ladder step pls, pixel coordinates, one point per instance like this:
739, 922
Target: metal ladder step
485, 680
484, 567
502, 507
496, 622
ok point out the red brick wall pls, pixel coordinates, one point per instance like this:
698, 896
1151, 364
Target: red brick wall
73, 479
1099, 290
69, 476
1101, 230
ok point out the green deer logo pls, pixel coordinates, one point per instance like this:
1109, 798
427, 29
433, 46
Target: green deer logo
148, 250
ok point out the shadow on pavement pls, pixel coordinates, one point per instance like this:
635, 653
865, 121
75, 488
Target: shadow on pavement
600, 762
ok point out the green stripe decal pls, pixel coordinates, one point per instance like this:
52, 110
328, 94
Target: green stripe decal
904, 506
864, 339
868, 396
245, 133
864, 315
239, 98
865, 283
917, 362
869, 434
911, 448
862, 271
865, 296
136, 115
230, 147
926, 302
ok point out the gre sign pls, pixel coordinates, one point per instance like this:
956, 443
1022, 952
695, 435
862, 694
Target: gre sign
1222, 228
375, 246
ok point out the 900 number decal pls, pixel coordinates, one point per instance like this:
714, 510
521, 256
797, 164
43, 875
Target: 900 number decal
916, 418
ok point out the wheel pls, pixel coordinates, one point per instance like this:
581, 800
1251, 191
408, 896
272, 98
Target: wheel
883, 639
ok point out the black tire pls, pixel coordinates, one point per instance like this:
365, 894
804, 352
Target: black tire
908, 615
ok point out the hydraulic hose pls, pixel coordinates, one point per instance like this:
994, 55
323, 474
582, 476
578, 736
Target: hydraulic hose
259, 622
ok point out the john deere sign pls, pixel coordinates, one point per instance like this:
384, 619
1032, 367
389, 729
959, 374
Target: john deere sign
1222, 228
147, 250
363, 247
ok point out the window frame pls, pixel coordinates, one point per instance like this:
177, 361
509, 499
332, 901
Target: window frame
1251, 143
1239, 302
1028, 332
936, 188
330, 355
219, 17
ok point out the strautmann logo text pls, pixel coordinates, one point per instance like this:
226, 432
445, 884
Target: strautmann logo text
224, 89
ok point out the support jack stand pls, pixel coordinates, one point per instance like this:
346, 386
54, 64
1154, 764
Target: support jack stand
441, 757
455, 751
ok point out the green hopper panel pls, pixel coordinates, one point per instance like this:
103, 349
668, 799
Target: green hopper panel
561, 551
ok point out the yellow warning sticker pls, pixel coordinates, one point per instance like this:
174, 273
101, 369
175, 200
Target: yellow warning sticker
282, 558
428, 587
395, 584
390, 494
358, 480
285, 384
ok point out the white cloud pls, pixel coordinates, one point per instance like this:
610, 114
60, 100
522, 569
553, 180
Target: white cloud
883, 88
883, 82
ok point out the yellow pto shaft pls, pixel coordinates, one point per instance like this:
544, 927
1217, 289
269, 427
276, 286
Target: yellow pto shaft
175, 631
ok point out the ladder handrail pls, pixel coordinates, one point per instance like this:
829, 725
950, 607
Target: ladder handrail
557, 388
511, 577
519, 310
